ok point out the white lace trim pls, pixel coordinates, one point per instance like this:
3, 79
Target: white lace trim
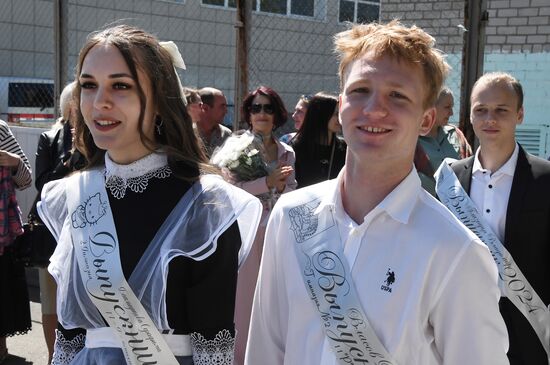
65, 350
219, 351
136, 176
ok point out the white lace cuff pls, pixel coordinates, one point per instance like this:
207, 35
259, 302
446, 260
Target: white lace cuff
219, 351
65, 350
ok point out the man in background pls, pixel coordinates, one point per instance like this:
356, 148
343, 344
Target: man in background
213, 110
510, 189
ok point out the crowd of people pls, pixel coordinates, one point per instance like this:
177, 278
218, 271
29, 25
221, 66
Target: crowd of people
180, 241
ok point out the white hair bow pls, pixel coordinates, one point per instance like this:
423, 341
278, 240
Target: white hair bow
175, 54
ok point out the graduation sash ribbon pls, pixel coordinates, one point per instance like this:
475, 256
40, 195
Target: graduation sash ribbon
512, 282
329, 285
96, 247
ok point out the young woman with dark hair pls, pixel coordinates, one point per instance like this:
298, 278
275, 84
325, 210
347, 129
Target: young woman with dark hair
298, 116
149, 243
320, 154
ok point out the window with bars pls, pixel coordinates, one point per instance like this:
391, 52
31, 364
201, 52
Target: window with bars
30, 95
287, 7
283, 7
224, 3
359, 11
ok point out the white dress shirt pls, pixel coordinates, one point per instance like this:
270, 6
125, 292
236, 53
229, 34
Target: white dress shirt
490, 191
443, 304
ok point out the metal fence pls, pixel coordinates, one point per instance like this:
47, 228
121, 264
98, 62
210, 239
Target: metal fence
26, 61
444, 20
289, 47
289, 44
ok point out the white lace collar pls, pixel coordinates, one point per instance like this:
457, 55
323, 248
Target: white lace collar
136, 175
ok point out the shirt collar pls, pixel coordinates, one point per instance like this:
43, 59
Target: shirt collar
333, 197
398, 204
441, 135
281, 149
507, 169
140, 168
216, 133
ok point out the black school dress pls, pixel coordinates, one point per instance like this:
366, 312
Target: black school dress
200, 295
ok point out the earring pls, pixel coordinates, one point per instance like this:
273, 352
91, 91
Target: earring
158, 124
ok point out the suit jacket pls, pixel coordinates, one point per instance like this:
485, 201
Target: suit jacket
527, 238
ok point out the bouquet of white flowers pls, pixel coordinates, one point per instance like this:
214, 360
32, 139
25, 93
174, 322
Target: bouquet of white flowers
241, 154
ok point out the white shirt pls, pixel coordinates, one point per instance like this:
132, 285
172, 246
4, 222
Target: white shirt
443, 304
490, 191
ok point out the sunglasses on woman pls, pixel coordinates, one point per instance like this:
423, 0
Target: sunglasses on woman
257, 108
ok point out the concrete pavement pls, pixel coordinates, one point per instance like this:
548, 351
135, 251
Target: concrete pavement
30, 349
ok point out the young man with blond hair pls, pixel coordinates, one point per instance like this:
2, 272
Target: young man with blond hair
368, 267
510, 189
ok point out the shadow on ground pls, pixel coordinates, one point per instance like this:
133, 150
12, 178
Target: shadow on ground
16, 360
29, 349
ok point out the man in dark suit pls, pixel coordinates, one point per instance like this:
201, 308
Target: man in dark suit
511, 189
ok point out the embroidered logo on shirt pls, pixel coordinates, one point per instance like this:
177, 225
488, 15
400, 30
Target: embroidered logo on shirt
390, 279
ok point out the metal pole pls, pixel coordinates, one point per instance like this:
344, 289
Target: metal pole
243, 22
61, 29
475, 21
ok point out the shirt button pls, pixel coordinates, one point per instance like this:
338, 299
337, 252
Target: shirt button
488, 210
490, 186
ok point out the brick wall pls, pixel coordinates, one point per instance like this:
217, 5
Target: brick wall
439, 18
518, 26
514, 25
517, 41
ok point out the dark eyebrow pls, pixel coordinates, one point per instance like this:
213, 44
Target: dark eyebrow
113, 76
